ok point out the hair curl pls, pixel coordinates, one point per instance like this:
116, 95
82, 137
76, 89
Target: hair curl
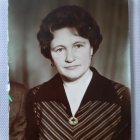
68, 16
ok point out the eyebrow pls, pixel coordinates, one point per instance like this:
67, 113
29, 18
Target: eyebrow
78, 42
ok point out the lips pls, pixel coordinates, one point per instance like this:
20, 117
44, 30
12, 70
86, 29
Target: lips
72, 67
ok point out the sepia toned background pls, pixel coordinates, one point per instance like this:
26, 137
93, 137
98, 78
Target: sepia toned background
29, 67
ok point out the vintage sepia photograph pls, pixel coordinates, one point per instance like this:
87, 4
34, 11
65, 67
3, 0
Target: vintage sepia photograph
69, 70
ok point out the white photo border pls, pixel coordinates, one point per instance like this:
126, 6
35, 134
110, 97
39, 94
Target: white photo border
134, 34
4, 103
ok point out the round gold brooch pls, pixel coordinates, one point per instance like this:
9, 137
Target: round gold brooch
73, 121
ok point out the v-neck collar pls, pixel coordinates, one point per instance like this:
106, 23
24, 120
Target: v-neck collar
100, 88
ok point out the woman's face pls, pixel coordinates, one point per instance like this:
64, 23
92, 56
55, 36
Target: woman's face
71, 53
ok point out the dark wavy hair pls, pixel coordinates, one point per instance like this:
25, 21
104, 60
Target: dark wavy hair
68, 16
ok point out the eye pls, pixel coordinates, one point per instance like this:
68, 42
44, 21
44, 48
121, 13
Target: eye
59, 50
78, 45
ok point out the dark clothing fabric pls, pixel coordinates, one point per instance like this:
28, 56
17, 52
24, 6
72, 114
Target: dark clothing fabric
104, 113
17, 117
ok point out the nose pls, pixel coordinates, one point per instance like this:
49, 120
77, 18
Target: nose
69, 56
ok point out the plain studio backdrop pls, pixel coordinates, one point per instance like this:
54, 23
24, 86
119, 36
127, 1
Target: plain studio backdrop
29, 67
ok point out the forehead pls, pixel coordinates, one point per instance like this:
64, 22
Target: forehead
66, 35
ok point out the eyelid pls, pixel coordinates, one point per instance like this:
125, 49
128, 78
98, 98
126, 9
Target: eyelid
79, 45
57, 47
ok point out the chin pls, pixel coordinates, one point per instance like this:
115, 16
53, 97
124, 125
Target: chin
72, 77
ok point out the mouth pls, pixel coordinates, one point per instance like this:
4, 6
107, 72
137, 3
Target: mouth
72, 67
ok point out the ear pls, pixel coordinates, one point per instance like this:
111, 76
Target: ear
91, 50
52, 63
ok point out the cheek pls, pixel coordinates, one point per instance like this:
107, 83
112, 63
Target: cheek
87, 58
84, 55
57, 60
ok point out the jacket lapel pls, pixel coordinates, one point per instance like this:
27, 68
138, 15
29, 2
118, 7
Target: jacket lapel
100, 88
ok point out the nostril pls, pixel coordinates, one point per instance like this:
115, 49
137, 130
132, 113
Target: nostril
69, 59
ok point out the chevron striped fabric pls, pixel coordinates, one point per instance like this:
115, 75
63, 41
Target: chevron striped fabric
96, 120
100, 118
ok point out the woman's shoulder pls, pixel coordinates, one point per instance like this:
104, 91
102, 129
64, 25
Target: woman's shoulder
122, 91
43, 89
110, 85
120, 88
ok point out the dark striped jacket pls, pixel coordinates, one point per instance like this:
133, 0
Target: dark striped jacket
104, 113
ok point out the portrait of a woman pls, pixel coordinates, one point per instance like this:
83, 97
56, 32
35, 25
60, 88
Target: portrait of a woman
77, 103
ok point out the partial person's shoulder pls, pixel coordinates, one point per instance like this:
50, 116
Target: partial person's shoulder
17, 92
17, 88
17, 85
